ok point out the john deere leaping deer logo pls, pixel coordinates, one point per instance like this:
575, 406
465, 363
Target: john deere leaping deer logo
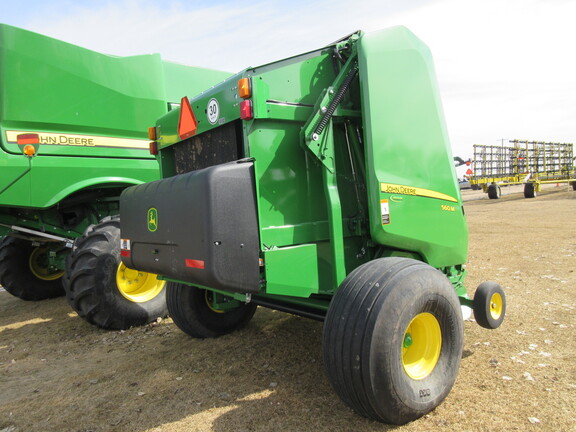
152, 219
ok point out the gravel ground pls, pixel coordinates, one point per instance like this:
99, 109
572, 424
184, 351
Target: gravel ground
58, 373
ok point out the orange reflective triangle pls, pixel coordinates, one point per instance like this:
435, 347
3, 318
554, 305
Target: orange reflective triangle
187, 123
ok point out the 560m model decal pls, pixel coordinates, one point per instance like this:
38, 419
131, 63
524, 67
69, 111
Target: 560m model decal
410, 190
80, 140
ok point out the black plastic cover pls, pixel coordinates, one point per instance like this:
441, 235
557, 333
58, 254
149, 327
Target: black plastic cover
200, 227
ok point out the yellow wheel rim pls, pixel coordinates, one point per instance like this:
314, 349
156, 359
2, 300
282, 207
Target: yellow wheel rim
209, 295
38, 265
496, 306
138, 286
421, 346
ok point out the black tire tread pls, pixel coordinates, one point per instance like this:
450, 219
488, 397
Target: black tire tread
92, 292
16, 277
348, 336
481, 310
190, 313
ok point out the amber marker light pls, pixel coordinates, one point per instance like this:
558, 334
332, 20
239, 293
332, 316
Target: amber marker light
244, 88
152, 133
29, 150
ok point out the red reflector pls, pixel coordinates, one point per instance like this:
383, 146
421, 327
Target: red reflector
187, 124
125, 253
28, 139
469, 172
246, 112
199, 264
153, 148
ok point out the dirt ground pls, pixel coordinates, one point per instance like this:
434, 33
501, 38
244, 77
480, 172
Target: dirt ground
58, 373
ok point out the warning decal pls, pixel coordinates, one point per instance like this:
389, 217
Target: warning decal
385, 211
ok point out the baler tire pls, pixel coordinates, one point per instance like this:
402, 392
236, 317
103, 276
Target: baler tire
494, 191
189, 309
17, 274
378, 307
529, 190
489, 305
92, 289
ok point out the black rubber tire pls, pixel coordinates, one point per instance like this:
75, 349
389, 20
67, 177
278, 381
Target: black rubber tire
529, 190
494, 191
573, 185
364, 335
190, 311
16, 276
90, 282
484, 314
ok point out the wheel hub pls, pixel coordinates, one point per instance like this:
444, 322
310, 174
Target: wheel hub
138, 286
421, 346
496, 305
38, 263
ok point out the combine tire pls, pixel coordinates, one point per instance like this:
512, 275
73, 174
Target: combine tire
105, 292
494, 191
191, 310
393, 338
24, 271
489, 305
529, 190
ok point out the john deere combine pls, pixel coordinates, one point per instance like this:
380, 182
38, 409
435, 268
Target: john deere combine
72, 137
322, 185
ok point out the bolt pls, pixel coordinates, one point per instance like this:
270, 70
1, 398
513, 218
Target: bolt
315, 137
323, 109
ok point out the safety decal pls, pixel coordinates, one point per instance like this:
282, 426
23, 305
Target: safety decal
385, 211
125, 244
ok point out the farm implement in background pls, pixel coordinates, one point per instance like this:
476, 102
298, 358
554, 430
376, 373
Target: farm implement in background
72, 137
531, 163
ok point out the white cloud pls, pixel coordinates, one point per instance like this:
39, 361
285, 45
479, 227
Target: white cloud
506, 67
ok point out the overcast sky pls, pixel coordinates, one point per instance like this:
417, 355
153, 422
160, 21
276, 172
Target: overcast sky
506, 68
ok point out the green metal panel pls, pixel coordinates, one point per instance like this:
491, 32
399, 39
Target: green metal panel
379, 181
414, 197
84, 104
292, 271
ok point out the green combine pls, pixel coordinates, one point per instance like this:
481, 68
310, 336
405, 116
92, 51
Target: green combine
72, 136
321, 185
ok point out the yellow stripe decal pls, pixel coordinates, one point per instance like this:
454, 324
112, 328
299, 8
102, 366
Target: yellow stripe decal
409, 190
47, 138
